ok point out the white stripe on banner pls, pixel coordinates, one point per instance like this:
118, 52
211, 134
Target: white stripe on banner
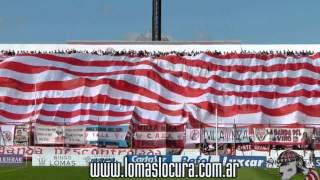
95, 136
152, 136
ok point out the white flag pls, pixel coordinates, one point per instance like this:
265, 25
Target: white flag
6, 135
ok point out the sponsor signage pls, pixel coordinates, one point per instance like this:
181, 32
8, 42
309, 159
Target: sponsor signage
317, 163
195, 159
245, 161
175, 158
6, 160
71, 160
149, 159
227, 135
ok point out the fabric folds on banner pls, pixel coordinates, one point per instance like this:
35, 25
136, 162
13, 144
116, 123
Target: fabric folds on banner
79, 89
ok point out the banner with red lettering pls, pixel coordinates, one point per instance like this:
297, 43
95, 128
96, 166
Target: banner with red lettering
27, 151
282, 135
149, 136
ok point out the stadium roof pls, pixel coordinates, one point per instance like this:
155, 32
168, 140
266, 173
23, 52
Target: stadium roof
162, 46
153, 42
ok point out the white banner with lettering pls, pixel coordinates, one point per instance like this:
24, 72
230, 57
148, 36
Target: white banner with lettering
282, 135
59, 134
227, 135
71, 160
49, 134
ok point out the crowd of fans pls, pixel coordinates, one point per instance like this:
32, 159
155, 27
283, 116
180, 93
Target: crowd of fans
156, 53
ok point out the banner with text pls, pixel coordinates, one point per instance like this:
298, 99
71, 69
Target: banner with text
149, 136
226, 135
28, 151
49, 134
6, 135
107, 135
282, 135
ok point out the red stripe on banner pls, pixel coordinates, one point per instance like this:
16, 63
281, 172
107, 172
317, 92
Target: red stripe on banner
284, 81
129, 87
149, 144
170, 58
224, 111
88, 122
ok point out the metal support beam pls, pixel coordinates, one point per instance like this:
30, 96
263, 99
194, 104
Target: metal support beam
156, 20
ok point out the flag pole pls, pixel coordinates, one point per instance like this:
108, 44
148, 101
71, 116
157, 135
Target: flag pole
202, 138
235, 135
34, 115
64, 132
217, 131
3, 139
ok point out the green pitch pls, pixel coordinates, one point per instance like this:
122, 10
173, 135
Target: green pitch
79, 173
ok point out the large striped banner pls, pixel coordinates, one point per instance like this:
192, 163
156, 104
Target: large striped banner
75, 89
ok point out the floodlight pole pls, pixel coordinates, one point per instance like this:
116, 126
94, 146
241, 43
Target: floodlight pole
156, 20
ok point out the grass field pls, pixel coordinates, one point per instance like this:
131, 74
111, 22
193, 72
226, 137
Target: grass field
79, 173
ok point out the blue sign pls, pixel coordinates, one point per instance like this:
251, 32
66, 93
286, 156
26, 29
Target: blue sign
317, 163
245, 161
105, 142
120, 128
11, 160
107, 135
196, 159
148, 158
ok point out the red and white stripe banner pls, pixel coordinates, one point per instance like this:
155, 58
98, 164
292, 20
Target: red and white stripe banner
158, 136
91, 89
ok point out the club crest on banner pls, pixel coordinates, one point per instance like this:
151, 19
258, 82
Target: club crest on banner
261, 133
194, 134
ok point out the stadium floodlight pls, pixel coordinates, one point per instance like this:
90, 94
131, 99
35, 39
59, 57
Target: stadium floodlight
156, 20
